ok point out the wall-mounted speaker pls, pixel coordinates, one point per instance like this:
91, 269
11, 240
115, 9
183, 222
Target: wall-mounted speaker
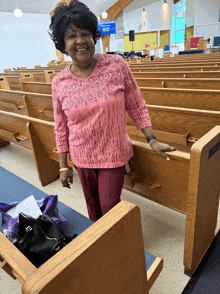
131, 36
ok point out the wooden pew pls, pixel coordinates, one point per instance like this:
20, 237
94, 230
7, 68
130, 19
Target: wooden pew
13, 82
185, 98
56, 68
49, 74
180, 127
181, 83
175, 64
38, 75
175, 69
41, 77
122, 270
36, 87
31, 104
183, 74
180, 61
155, 178
196, 57
4, 83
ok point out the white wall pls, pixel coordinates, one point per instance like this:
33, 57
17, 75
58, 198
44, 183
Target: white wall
207, 11
207, 19
25, 41
133, 16
117, 40
190, 12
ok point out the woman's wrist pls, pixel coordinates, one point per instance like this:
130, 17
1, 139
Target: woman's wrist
152, 142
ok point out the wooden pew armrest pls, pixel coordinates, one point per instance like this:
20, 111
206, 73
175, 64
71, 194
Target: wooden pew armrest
110, 252
12, 136
10, 105
154, 271
13, 261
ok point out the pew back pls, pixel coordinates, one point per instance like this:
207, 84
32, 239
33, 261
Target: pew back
185, 98
31, 104
175, 69
183, 83
4, 83
180, 74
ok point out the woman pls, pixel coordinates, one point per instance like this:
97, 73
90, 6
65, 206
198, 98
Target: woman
90, 98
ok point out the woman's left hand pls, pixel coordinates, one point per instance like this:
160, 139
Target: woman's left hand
160, 148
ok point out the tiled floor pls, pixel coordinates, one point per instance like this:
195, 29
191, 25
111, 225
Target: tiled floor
163, 228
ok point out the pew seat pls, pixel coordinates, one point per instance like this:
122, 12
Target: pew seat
106, 256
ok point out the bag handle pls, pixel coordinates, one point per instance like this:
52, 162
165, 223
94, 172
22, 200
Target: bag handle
40, 217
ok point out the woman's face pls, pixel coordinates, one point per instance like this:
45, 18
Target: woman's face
79, 44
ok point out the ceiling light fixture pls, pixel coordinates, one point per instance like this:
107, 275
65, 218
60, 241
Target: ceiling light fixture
17, 11
165, 12
104, 14
165, 5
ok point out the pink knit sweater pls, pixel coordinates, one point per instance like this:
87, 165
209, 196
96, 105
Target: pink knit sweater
90, 117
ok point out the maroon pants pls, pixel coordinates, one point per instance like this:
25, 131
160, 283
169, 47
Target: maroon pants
102, 188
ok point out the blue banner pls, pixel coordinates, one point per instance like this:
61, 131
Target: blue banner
107, 27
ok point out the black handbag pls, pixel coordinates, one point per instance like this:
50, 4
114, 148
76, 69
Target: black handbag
39, 239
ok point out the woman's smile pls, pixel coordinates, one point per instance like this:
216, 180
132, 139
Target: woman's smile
80, 46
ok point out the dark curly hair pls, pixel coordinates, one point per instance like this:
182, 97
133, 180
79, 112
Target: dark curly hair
76, 13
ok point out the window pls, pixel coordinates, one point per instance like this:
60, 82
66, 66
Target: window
178, 22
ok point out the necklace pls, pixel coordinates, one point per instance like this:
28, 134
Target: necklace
88, 65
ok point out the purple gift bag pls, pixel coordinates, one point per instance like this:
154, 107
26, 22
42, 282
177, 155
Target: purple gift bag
47, 205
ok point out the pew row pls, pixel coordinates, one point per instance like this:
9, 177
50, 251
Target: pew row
182, 83
39, 76
180, 127
175, 64
41, 68
4, 83
196, 57
185, 98
180, 74
181, 61
26, 103
154, 177
174, 69
75, 270
36, 87
14, 81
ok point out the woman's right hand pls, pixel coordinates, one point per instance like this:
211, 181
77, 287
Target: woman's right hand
66, 177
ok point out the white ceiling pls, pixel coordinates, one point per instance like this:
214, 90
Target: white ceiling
46, 6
